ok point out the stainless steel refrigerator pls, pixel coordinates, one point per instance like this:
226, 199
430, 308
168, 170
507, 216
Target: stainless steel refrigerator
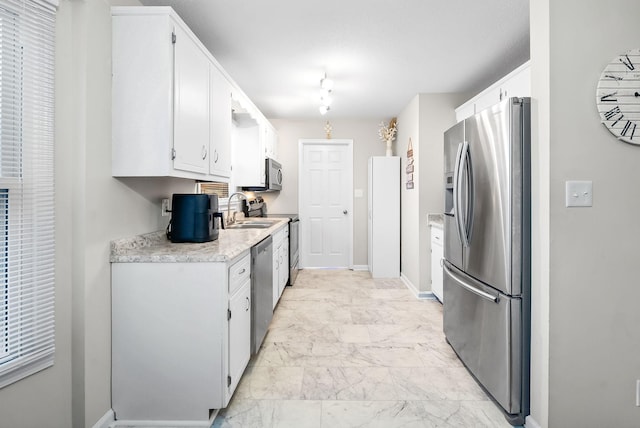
487, 268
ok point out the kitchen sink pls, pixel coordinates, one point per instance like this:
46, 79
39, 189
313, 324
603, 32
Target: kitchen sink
251, 224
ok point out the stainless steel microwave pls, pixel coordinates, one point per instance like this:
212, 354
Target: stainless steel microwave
273, 177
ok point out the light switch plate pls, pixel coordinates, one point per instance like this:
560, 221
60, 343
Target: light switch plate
358, 193
579, 193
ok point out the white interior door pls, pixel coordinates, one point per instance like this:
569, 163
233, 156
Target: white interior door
326, 203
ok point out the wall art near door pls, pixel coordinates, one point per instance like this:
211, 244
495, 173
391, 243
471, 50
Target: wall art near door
410, 166
328, 128
387, 133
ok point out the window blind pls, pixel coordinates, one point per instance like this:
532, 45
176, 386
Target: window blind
27, 250
220, 189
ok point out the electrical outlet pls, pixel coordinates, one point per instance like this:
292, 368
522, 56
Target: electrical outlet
165, 208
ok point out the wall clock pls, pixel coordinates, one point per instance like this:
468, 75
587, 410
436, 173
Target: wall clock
618, 96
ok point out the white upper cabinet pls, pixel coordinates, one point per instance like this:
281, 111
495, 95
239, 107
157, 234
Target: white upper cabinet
220, 103
270, 142
191, 105
515, 84
172, 107
249, 138
160, 93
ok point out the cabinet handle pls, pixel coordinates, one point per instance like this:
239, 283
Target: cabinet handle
242, 271
248, 304
204, 152
215, 156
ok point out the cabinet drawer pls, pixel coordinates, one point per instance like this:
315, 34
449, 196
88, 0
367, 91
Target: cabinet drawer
239, 272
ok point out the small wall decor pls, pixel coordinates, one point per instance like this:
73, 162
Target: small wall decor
387, 133
410, 166
327, 129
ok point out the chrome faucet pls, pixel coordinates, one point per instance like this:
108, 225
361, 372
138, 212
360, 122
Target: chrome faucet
230, 220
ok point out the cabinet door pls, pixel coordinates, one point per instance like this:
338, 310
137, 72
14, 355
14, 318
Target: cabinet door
518, 85
191, 105
271, 142
248, 143
436, 267
487, 98
220, 145
466, 110
239, 334
277, 244
284, 264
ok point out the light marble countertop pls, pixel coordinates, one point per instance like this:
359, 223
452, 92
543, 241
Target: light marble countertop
156, 248
436, 220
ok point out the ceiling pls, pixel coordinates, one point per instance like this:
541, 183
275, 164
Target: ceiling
380, 53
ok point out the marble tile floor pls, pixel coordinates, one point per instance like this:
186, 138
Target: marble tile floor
345, 350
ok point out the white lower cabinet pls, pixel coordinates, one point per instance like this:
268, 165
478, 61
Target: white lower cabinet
280, 262
239, 330
437, 254
181, 336
284, 261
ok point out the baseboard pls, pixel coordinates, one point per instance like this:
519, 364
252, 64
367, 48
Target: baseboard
422, 295
160, 424
106, 421
360, 267
529, 422
164, 424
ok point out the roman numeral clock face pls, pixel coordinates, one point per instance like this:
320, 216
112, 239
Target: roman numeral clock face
618, 97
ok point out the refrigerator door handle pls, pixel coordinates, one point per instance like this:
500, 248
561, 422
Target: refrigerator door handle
468, 286
462, 173
457, 200
468, 169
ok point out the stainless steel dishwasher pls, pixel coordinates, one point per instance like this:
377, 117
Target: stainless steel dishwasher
261, 291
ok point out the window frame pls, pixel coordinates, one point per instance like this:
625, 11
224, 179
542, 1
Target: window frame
27, 207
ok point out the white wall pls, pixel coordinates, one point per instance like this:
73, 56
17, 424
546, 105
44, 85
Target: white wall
540, 146
92, 208
104, 208
424, 120
409, 127
366, 143
593, 294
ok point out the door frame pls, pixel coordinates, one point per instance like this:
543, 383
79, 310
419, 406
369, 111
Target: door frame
327, 142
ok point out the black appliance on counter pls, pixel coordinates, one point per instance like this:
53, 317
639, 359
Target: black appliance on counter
257, 207
193, 218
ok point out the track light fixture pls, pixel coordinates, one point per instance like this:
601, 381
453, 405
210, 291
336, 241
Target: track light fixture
326, 83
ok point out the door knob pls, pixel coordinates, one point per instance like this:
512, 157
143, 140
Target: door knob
345, 212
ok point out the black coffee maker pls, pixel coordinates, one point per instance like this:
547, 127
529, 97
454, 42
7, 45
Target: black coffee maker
194, 218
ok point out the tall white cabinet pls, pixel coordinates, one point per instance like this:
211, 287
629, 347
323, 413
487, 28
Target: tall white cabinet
384, 216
